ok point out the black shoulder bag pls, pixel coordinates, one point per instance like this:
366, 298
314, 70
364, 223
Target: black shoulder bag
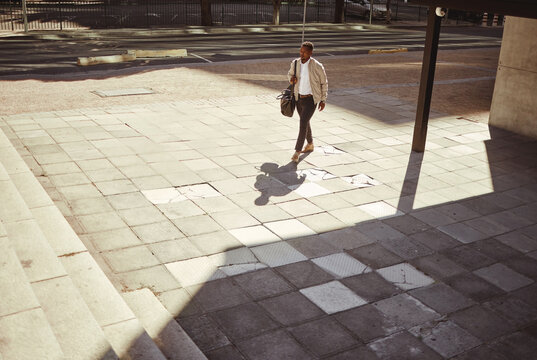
287, 99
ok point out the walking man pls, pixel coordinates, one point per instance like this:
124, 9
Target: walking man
311, 88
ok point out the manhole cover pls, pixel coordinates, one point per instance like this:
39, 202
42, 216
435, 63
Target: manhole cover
123, 92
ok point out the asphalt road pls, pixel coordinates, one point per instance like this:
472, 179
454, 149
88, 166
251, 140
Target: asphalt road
55, 53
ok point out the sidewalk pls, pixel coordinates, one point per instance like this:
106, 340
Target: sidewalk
364, 250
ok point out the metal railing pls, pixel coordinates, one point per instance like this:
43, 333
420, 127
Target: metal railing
64, 14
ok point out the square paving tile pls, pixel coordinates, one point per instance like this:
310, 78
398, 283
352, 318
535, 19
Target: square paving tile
309, 189
215, 242
407, 224
218, 294
291, 308
402, 345
367, 322
446, 338
304, 274
196, 225
462, 232
278, 254
438, 266
254, 235
322, 222
406, 311
435, 239
371, 286
243, 321
481, 322
405, 276
130, 259
233, 219
195, 271
483, 352
199, 191
174, 250
375, 255
263, 283
346, 239
341, 265
204, 332
468, 257
333, 297
516, 346
300, 207
323, 336
407, 248
503, 277
473, 286
313, 246
289, 229
525, 265
164, 196
273, 345
441, 298
380, 210
513, 309
157, 232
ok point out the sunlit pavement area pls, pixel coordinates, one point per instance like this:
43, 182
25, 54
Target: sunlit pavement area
362, 251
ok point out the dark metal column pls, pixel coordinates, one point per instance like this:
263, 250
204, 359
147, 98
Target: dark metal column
427, 80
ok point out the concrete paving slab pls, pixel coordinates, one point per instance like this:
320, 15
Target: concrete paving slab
333, 297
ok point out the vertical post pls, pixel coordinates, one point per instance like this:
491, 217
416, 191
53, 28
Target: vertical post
370, 12
304, 20
11, 15
427, 80
396, 10
60, 8
25, 15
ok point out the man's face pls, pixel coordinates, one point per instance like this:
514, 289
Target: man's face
305, 53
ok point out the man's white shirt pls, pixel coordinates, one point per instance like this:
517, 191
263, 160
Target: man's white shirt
304, 86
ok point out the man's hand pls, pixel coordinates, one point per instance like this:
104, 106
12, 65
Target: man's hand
293, 80
321, 105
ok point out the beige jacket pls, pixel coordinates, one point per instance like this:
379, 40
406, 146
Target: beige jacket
318, 80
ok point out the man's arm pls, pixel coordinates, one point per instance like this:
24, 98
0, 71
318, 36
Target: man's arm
291, 74
324, 87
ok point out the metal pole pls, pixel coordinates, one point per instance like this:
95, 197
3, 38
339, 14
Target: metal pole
427, 79
370, 12
25, 15
304, 20
11, 15
60, 8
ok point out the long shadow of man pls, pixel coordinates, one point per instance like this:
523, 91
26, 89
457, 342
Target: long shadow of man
276, 181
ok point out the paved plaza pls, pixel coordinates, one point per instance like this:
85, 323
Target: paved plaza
182, 230
362, 251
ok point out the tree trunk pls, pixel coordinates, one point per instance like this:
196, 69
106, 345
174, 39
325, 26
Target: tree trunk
206, 17
339, 12
388, 12
276, 13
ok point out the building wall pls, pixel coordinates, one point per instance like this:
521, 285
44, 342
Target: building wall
514, 103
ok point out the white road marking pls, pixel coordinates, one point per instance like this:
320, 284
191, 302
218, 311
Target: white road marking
202, 58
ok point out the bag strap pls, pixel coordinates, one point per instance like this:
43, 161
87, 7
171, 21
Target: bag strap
293, 88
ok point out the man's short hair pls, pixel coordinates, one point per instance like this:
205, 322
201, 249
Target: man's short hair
308, 44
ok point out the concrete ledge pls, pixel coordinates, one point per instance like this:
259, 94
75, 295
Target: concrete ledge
158, 53
387, 51
109, 59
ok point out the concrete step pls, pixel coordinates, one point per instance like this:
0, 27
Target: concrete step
25, 332
85, 315
162, 327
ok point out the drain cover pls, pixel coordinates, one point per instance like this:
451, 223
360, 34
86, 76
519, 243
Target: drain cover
123, 92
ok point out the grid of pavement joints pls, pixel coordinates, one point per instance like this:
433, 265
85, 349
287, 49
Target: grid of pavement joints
437, 267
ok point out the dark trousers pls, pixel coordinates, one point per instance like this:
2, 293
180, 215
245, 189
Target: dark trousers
305, 108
